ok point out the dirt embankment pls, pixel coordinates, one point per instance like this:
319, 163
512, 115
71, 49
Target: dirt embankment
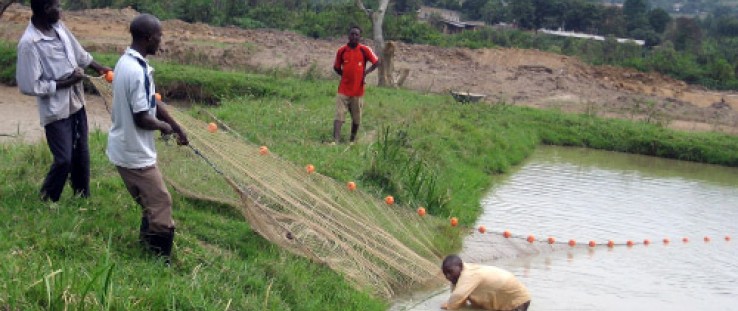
522, 77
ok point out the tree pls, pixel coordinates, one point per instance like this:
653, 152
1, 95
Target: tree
377, 18
407, 6
522, 12
686, 35
636, 15
727, 26
613, 22
658, 18
582, 15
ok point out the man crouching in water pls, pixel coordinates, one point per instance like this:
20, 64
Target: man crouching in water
484, 287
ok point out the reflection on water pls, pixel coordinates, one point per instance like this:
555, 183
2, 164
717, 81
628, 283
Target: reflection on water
586, 195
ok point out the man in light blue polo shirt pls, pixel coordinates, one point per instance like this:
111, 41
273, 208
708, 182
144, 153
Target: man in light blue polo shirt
49, 67
136, 117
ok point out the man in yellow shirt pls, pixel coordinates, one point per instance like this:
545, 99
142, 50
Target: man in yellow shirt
484, 287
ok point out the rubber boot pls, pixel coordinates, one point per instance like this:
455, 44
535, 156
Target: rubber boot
160, 243
143, 231
337, 131
354, 130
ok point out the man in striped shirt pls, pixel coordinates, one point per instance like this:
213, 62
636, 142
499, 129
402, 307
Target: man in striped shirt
50, 62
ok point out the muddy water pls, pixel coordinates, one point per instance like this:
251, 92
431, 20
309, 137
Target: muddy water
587, 195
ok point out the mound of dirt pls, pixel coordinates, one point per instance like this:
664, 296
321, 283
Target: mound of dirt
524, 77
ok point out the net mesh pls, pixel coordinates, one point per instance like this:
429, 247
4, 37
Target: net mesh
377, 247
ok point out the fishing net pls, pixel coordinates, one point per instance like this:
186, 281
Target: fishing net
377, 247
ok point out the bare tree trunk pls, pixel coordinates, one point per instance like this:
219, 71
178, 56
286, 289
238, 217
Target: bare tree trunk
387, 67
377, 18
4, 4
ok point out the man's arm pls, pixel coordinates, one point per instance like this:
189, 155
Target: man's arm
460, 294
372, 58
29, 71
148, 122
337, 63
163, 114
100, 68
84, 58
372, 68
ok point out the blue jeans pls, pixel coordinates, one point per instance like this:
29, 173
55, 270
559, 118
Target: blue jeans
68, 142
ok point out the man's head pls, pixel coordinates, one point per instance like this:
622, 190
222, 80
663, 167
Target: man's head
452, 266
146, 33
46, 11
354, 35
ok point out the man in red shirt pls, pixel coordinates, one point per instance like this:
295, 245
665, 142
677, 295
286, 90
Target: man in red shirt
350, 64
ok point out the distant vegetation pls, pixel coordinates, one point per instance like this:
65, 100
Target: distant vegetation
699, 49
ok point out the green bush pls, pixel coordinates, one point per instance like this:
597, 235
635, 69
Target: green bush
8, 60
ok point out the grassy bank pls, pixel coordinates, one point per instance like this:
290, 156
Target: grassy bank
424, 149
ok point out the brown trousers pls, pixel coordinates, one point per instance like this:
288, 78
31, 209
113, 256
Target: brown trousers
353, 105
523, 307
146, 185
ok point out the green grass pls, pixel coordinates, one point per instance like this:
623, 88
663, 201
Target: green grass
219, 261
423, 149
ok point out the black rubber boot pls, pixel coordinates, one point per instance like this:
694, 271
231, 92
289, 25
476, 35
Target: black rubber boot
354, 130
160, 243
143, 231
337, 131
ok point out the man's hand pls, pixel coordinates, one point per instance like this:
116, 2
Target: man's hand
104, 70
181, 137
165, 128
77, 75
100, 68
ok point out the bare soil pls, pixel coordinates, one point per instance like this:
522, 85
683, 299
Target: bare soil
19, 116
521, 77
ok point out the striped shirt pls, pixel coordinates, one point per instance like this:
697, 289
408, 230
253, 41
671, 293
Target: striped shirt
41, 61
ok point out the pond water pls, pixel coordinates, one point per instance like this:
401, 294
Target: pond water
584, 194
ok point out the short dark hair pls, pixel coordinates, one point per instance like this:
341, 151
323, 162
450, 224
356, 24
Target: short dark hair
39, 6
355, 27
143, 26
452, 260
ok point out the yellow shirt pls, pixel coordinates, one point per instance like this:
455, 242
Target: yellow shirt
488, 288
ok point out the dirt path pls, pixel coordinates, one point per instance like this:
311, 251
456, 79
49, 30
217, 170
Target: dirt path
19, 116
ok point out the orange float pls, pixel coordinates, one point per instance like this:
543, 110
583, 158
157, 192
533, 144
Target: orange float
351, 185
707, 239
611, 244
389, 200
507, 234
646, 242
666, 241
551, 240
212, 127
531, 239
685, 240
109, 76
421, 211
727, 238
482, 229
572, 243
263, 150
630, 243
157, 96
454, 221
592, 244
310, 168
